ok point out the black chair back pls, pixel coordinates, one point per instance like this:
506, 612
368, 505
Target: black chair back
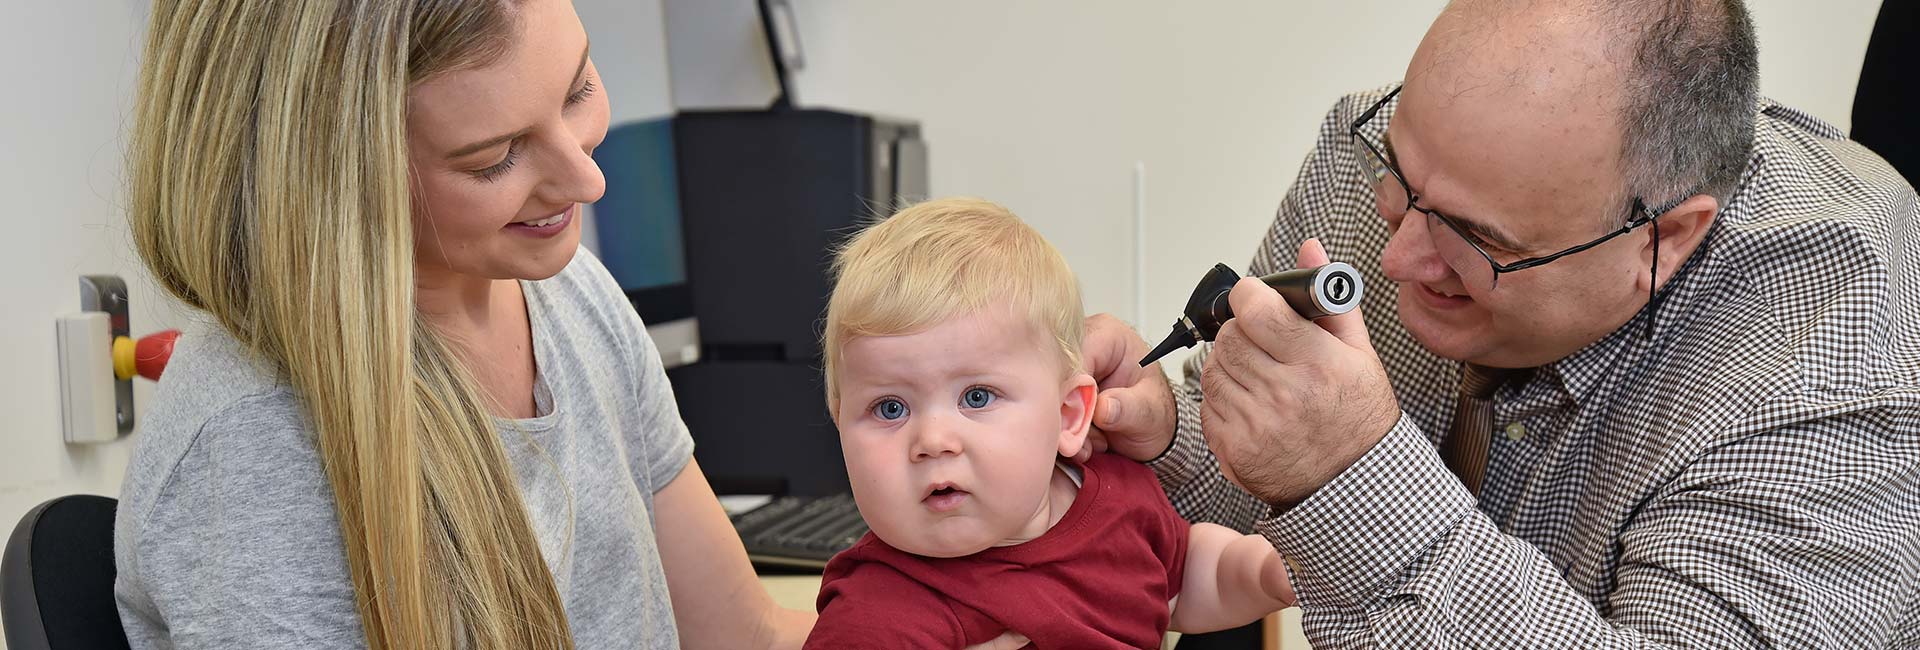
56, 579
1889, 93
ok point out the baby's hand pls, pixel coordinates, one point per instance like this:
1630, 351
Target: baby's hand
1276, 581
1009, 641
1231, 580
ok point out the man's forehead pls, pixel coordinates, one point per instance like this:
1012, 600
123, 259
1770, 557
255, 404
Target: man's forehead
1546, 66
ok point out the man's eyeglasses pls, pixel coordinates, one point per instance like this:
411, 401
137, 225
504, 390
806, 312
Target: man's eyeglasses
1460, 251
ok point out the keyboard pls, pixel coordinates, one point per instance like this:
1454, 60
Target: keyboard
800, 532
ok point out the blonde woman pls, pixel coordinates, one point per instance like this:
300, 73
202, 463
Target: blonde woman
420, 416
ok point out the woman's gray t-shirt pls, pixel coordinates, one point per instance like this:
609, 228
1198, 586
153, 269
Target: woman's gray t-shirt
227, 535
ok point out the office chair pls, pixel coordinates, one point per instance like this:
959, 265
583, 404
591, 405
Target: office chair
1884, 103
56, 579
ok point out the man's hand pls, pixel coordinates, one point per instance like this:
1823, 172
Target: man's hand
1290, 403
1134, 413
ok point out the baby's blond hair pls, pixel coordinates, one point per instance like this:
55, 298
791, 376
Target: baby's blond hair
946, 258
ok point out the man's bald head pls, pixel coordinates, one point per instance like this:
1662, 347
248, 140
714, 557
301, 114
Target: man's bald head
1535, 126
1677, 80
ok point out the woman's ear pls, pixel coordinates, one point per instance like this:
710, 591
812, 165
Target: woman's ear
1076, 413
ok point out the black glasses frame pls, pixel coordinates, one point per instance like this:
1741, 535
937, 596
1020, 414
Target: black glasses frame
1637, 215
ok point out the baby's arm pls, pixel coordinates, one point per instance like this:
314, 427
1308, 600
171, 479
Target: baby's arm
1231, 580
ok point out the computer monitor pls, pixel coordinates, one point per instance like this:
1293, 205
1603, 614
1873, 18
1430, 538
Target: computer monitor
638, 234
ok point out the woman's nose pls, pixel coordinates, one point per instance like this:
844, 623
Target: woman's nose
575, 177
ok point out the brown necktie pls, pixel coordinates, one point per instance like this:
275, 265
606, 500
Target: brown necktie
1467, 445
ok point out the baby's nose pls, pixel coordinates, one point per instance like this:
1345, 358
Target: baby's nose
934, 441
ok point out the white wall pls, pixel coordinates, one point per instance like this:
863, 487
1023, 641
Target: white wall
69, 69
630, 51
1047, 106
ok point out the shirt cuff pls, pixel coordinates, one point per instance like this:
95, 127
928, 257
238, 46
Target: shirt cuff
1351, 541
1187, 458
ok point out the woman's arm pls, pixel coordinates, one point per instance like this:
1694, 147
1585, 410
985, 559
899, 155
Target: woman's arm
717, 600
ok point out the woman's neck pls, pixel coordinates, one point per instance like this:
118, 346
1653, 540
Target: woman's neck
457, 304
485, 321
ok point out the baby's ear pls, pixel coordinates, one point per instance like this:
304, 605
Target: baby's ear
1076, 413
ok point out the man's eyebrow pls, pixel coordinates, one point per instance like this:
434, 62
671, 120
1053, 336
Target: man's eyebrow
1480, 230
495, 141
1486, 232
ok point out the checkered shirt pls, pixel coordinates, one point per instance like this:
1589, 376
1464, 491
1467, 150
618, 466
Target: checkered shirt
1749, 476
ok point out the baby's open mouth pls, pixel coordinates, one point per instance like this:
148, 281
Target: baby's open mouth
942, 497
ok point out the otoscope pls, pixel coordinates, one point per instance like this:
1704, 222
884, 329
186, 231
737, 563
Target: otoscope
1325, 290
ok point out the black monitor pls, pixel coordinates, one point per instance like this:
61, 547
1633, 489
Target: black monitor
640, 236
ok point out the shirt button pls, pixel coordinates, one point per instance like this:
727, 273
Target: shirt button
1516, 431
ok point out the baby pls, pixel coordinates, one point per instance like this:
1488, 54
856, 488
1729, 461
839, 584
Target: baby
953, 371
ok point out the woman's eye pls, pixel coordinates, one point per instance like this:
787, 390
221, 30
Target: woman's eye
890, 409
493, 172
581, 95
978, 397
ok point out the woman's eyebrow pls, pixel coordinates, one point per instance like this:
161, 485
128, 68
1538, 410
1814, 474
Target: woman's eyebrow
495, 141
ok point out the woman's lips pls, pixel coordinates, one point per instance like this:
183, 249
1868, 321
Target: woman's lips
547, 226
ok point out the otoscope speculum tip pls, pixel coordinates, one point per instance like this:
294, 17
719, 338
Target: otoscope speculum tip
1182, 336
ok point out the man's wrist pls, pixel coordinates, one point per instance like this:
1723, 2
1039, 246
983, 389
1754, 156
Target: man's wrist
1343, 554
1172, 438
1281, 505
1185, 458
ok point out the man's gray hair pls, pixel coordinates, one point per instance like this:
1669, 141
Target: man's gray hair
1692, 79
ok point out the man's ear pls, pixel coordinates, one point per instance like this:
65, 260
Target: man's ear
1076, 413
1681, 230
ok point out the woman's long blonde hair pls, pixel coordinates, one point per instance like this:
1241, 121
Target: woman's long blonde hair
269, 188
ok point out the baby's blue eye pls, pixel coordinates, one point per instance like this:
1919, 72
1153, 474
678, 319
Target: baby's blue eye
978, 397
890, 409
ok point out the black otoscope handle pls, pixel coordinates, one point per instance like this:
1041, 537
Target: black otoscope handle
1314, 293
1325, 290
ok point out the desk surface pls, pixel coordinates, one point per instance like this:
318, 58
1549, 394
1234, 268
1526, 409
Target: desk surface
797, 592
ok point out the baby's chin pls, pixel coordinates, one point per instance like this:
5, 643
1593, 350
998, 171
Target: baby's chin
928, 542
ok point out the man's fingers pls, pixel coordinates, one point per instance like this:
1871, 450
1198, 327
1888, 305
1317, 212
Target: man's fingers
1269, 322
1127, 410
1311, 254
1349, 327
1108, 346
1096, 443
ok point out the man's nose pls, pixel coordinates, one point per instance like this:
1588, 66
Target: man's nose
1410, 255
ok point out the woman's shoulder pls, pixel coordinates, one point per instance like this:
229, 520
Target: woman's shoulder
218, 410
584, 301
225, 465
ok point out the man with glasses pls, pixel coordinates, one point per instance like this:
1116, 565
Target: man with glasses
1642, 365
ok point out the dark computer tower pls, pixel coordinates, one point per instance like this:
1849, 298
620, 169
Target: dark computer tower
764, 196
